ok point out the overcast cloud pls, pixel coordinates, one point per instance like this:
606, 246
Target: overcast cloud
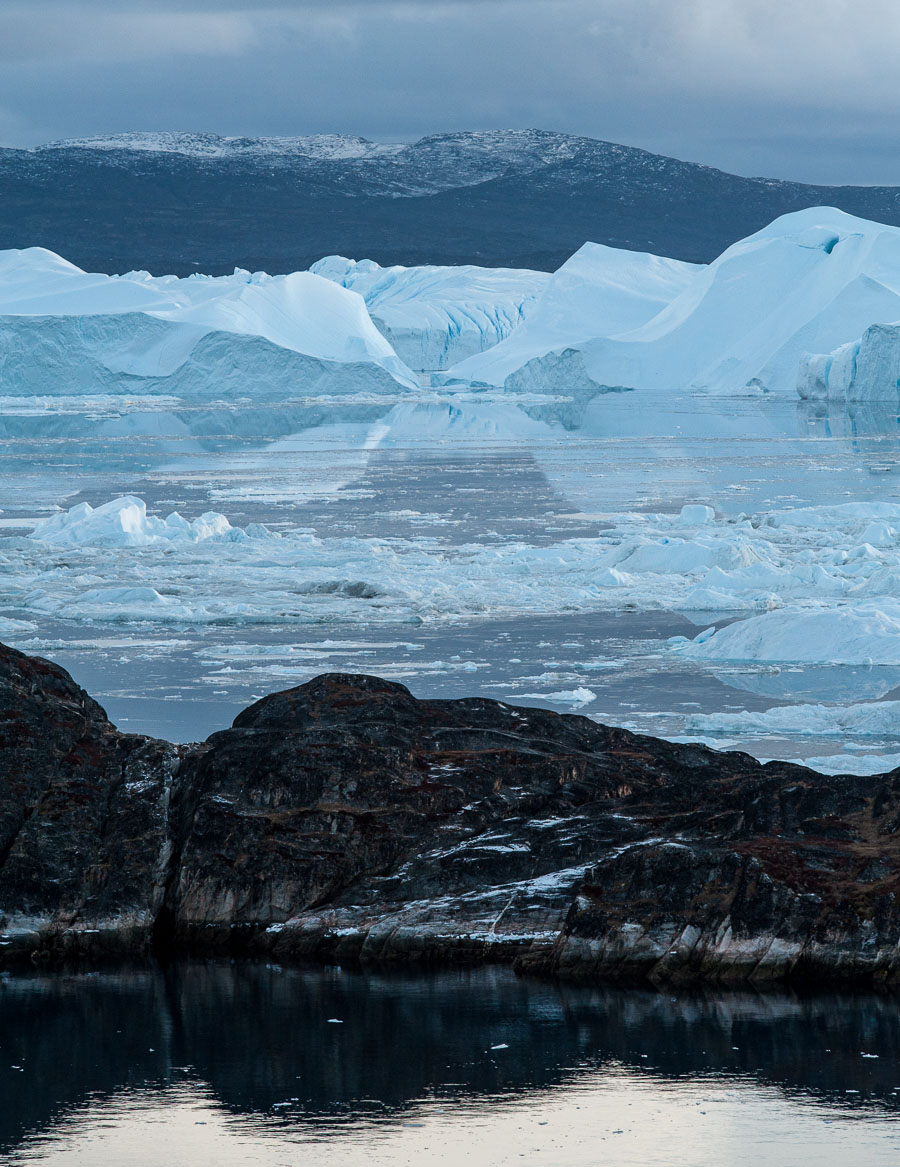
802, 88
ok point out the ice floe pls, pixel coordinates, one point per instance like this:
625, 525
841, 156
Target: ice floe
124, 522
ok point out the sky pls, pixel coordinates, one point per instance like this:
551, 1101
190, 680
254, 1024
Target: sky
802, 89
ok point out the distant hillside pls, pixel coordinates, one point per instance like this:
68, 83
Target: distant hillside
172, 202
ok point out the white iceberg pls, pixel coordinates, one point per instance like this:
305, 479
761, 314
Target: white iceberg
809, 282
864, 719
435, 316
867, 369
124, 522
68, 332
576, 698
852, 764
862, 634
599, 291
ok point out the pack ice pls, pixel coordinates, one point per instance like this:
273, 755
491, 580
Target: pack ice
808, 283
816, 585
64, 331
433, 316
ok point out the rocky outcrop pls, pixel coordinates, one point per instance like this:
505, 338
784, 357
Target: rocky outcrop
84, 819
346, 820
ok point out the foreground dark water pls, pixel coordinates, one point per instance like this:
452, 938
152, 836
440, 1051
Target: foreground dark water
250, 1064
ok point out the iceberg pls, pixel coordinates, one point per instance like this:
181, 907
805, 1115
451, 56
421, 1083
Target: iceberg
810, 282
124, 522
862, 634
599, 291
68, 332
435, 317
867, 369
863, 719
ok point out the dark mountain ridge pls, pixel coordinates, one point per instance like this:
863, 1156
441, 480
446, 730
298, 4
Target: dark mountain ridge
192, 202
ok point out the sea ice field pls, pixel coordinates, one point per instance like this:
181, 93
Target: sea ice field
661, 495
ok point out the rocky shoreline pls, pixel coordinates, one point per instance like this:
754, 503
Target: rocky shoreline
347, 821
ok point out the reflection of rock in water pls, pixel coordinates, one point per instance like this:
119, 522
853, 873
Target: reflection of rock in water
259, 1035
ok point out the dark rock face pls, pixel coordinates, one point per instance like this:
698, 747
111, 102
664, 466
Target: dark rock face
346, 820
84, 825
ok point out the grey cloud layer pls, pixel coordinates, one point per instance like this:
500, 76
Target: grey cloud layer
807, 89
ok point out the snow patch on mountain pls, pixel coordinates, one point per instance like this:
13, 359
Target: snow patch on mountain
321, 147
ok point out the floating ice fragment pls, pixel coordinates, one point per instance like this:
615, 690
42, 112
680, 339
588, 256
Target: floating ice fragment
576, 697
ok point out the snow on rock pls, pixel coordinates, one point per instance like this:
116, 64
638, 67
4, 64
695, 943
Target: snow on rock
200, 145
434, 317
810, 282
599, 291
69, 332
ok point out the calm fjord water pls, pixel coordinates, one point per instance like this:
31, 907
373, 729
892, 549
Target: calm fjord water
220, 1065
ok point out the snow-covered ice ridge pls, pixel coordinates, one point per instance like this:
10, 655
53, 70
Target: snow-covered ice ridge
66, 331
